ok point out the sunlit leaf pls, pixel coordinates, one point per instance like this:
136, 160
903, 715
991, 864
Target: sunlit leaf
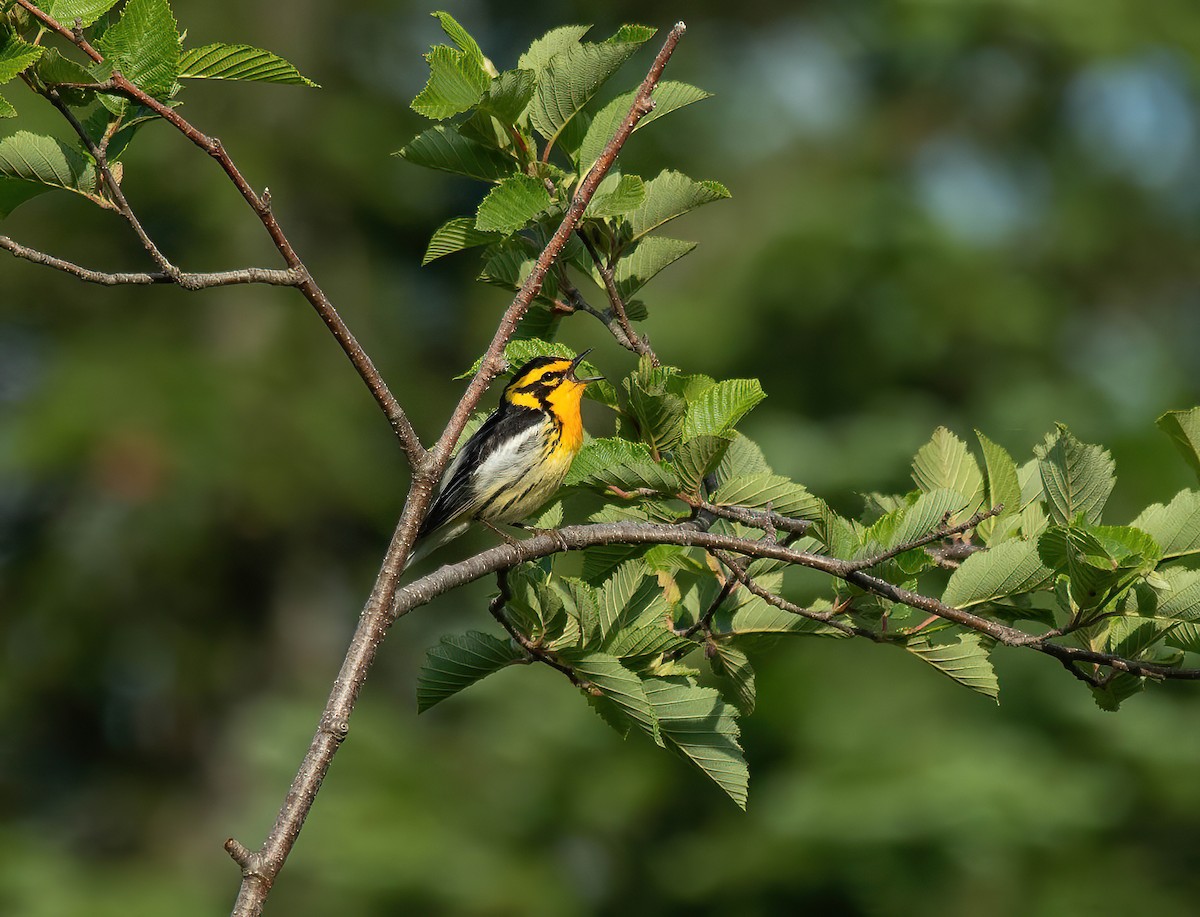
964, 659
1077, 477
460, 660
239, 62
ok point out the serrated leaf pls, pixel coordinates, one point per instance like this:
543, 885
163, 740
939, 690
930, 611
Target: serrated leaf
945, 463
1176, 526
1003, 485
748, 618
1117, 689
144, 44
697, 457
460, 660
244, 63
569, 81
616, 195
509, 95
445, 149
15, 54
720, 407
44, 160
670, 195
757, 490
964, 659
1077, 477
87, 11
733, 667
1099, 560
623, 701
508, 264
669, 96
628, 595
604, 463
643, 641
656, 405
6, 111
456, 83
511, 204
455, 235
698, 724
460, 37
640, 264
1007, 569
743, 457
1184, 429
544, 49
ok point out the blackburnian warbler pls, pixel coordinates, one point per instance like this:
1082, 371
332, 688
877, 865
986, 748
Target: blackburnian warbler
517, 459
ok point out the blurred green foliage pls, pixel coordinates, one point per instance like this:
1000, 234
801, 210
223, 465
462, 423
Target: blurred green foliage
979, 215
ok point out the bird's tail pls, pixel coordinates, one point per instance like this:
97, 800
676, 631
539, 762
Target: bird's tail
431, 541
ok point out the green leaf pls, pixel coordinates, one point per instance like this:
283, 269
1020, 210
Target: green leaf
1003, 485
570, 80
508, 95
15, 55
14, 193
757, 490
733, 667
668, 97
460, 660
670, 195
1118, 688
622, 700
144, 44
630, 596
604, 463
717, 409
511, 204
697, 457
743, 457
1007, 569
447, 150
616, 195
456, 83
544, 49
455, 235
461, 37
53, 69
1077, 477
88, 11
1184, 429
964, 659
639, 265
239, 62
508, 264
656, 405
1176, 526
46, 161
645, 642
698, 724
944, 462
1098, 559
6, 111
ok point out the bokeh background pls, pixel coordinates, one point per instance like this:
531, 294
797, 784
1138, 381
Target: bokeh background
979, 214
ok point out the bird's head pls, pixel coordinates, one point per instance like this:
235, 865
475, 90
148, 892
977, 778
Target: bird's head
548, 381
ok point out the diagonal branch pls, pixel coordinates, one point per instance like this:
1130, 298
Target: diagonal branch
616, 304
941, 531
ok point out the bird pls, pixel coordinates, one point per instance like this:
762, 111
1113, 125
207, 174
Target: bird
518, 457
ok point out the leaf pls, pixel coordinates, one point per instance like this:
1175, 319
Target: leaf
455, 235
570, 80
508, 95
15, 55
460, 660
508, 264
460, 37
1184, 429
626, 597
639, 265
144, 44
743, 457
1176, 526
456, 83
733, 667
757, 490
698, 724
14, 193
720, 407
544, 49
1007, 569
668, 97
444, 148
670, 195
1117, 689
515, 201
244, 63
88, 11
697, 457
1003, 485
616, 195
656, 405
46, 161
1099, 560
6, 111
604, 463
622, 701
965, 660
1077, 477
944, 462
645, 641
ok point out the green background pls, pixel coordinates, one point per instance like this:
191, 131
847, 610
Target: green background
977, 214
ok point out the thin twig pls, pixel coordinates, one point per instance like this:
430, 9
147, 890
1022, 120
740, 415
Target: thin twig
535, 651
638, 344
188, 281
942, 531
756, 518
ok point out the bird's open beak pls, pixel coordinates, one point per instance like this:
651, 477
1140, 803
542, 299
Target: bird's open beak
575, 365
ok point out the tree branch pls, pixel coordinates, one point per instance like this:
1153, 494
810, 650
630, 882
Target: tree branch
942, 531
637, 344
379, 612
